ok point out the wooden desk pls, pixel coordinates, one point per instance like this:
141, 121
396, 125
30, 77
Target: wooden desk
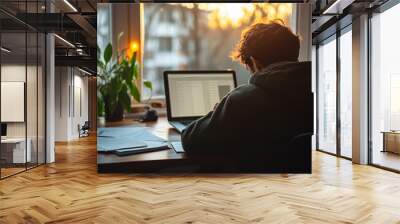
144, 162
391, 141
14, 151
298, 160
160, 161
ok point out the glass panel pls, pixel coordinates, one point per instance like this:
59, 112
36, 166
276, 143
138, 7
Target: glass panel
22, 85
199, 36
385, 87
346, 94
327, 96
13, 87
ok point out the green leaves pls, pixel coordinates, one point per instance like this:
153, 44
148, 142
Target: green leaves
148, 85
108, 53
135, 93
117, 80
124, 98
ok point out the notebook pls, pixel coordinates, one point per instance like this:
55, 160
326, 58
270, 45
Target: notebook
151, 147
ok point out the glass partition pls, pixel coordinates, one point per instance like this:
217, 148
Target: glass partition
14, 153
327, 96
385, 89
346, 93
22, 90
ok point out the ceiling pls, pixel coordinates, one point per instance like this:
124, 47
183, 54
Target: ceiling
74, 22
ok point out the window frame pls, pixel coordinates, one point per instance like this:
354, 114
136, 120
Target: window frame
378, 10
333, 37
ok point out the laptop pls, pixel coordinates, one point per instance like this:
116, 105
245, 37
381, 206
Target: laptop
192, 94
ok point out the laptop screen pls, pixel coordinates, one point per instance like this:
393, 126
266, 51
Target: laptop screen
195, 94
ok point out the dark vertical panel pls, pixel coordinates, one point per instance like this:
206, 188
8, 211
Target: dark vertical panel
45, 87
37, 91
73, 91
338, 93
317, 96
26, 86
369, 100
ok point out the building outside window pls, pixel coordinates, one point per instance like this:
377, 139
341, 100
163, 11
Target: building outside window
192, 36
104, 29
165, 44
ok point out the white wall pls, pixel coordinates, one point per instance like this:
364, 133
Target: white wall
50, 92
62, 82
12, 73
33, 127
69, 112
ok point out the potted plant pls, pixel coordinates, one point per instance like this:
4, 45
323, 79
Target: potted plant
117, 81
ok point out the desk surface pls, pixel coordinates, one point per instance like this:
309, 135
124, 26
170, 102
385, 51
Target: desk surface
109, 162
13, 140
391, 132
299, 160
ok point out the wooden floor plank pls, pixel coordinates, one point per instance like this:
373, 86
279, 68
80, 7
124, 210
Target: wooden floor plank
71, 191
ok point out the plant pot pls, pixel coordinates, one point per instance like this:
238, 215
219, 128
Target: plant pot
116, 115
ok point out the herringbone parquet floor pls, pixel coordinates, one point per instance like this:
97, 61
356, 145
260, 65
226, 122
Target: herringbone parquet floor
71, 191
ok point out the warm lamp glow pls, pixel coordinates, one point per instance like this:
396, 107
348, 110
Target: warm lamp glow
133, 48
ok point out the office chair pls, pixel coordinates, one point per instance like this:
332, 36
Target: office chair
84, 130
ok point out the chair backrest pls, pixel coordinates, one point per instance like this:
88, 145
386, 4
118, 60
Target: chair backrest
86, 125
298, 152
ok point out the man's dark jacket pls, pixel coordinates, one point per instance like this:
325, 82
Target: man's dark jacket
258, 118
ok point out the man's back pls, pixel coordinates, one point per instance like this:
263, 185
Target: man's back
259, 117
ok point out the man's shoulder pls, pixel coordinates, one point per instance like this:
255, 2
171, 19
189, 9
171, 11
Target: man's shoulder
246, 90
246, 96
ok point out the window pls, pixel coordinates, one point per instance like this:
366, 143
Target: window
327, 96
334, 95
199, 36
103, 25
165, 44
385, 88
346, 93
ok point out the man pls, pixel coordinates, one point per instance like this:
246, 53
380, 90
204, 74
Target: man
268, 112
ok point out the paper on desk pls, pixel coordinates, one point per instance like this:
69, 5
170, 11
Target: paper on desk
134, 133
118, 138
105, 144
